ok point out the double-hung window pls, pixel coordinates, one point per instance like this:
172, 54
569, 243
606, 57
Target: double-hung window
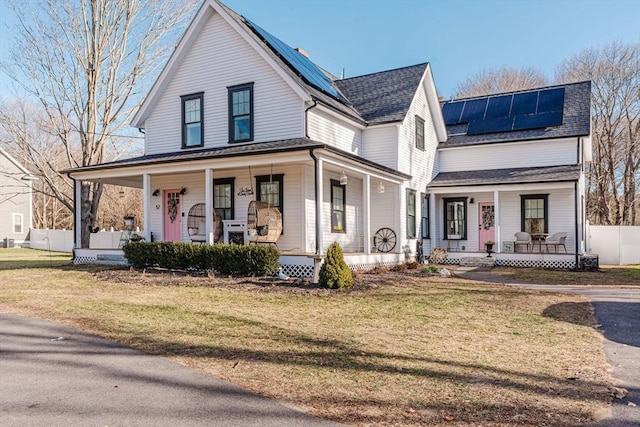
223, 197
241, 113
338, 205
419, 133
17, 223
411, 214
192, 121
534, 213
455, 219
270, 190
424, 226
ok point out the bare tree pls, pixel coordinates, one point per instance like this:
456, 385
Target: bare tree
613, 177
87, 62
496, 80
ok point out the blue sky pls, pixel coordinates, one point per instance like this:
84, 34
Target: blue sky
458, 37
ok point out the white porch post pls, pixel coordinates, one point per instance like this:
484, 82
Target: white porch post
403, 210
77, 227
496, 220
146, 202
208, 204
366, 213
319, 203
432, 221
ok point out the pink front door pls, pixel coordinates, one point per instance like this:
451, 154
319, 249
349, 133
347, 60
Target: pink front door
486, 223
172, 216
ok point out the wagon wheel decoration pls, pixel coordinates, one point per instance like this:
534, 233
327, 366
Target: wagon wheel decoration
384, 240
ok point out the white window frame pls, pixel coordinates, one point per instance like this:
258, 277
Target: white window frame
21, 216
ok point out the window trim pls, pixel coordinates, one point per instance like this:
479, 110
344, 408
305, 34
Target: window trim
410, 218
465, 213
225, 181
184, 99
419, 122
545, 197
425, 227
21, 216
230, 91
335, 183
266, 178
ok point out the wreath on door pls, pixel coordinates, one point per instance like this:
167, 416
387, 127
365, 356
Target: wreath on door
487, 217
173, 209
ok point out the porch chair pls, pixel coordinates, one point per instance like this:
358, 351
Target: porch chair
522, 238
264, 223
196, 224
555, 240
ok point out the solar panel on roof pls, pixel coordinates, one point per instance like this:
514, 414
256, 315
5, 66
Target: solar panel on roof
524, 103
300, 63
537, 121
473, 110
551, 100
498, 106
499, 124
451, 112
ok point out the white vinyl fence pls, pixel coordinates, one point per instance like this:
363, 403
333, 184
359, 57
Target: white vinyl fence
614, 244
62, 240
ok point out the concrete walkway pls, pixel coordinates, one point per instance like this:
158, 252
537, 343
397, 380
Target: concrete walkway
617, 311
54, 375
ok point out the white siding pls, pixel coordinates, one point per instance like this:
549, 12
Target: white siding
351, 240
329, 129
380, 145
310, 208
509, 155
15, 199
219, 58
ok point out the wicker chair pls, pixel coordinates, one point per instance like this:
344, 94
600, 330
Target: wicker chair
523, 238
196, 224
556, 240
264, 223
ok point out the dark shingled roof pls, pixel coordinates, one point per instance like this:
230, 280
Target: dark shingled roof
385, 96
576, 121
507, 176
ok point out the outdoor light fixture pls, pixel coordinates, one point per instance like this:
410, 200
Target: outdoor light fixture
156, 192
343, 178
471, 201
380, 187
183, 191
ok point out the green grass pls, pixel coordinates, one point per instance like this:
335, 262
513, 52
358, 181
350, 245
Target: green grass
411, 350
627, 276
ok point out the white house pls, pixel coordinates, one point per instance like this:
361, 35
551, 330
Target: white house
15, 200
237, 115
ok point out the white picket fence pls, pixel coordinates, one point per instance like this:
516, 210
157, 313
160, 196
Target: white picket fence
614, 244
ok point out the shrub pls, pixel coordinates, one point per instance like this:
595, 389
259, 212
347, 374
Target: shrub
430, 269
224, 259
335, 273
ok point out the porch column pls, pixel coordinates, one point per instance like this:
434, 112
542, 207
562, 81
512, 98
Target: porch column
433, 233
496, 220
146, 202
366, 213
403, 209
319, 202
77, 213
208, 205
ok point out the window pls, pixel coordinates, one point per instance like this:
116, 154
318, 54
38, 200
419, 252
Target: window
270, 190
241, 113
192, 131
425, 217
17, 223
455, 219
223, 197
420, 133
411, 214
534, 213
338, 220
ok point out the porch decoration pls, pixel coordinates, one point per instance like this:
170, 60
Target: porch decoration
196, 224
264, 223
488, 245
172, 207
384, 240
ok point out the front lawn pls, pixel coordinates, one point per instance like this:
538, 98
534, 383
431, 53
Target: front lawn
398, 349
625, 276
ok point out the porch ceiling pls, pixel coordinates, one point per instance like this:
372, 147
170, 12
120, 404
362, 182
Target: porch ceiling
562, 173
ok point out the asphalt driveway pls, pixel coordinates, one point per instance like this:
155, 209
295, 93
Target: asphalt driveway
55, 375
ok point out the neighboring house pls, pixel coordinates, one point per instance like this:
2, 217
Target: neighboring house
15, 200
237, 115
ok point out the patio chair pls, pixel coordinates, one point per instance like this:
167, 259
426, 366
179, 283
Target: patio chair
264, 223
522, 238
555, 240
196, 224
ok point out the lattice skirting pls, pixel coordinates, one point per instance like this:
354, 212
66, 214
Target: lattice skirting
548, 263
294, 270
84, 260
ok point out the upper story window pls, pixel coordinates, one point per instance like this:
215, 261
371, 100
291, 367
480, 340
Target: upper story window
455, 219
192, 121
223, 197
534, 213
419, 132
338, 205
241, 113
411, 214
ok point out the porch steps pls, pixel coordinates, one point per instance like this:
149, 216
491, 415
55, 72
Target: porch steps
110, 259
478, 262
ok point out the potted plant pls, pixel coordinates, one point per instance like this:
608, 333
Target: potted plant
488, 245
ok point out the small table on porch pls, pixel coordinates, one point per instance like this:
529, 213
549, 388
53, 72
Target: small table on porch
539, 238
